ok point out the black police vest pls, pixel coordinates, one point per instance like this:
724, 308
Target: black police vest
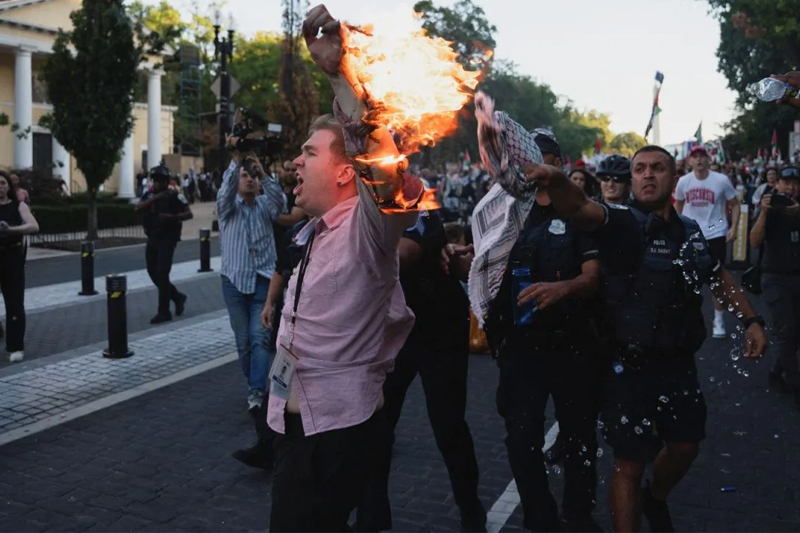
156, 227
656, 311
549, 250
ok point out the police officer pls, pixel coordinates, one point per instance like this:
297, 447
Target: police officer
614, 173
544, 339
778, 229
164, 211
654, 262
438, 350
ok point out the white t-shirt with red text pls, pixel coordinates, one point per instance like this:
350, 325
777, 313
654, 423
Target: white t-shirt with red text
705, 201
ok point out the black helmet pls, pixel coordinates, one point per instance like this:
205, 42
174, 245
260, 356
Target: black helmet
160, 173
615, 165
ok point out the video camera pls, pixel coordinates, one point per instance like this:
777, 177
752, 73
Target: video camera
253, 137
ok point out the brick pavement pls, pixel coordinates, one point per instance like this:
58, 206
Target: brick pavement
58, 330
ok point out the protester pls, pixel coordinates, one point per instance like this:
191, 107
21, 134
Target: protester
585, 180
248, 263
22, 194
777, 227
16, 221
438, 350
164, 211
770, 179
705, 197
653, 264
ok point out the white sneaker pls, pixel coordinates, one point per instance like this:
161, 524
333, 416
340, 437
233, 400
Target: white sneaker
719, 329
254, 403
16, 357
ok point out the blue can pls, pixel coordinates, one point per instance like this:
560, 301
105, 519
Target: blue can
520, 279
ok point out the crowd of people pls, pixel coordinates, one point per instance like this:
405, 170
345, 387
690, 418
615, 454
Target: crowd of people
342, 288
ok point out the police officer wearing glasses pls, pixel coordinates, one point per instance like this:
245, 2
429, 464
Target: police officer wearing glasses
654, 262
542, 331
614, 173
777, 227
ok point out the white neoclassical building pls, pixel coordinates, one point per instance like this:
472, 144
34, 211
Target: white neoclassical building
28, 29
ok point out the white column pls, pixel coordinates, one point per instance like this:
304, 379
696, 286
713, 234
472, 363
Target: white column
153, 118
61, 164
127, 187
23, 109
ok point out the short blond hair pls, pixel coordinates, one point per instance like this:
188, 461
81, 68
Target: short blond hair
329, 123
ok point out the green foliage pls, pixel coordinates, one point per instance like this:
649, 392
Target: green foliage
90, 77
464, 25
3, 119
757, 38
627, 143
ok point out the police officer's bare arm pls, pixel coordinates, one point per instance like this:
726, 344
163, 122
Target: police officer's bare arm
569, 200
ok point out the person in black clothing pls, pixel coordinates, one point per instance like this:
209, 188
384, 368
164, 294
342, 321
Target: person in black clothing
438, 350
549, 352
16, 220
164, 211
653, 264
777, 228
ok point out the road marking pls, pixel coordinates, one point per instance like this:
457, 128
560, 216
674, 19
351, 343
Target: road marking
507, 503
108, 401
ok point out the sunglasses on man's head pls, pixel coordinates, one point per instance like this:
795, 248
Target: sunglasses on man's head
790, 173
615, 179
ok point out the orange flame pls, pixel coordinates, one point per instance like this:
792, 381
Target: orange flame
414, 82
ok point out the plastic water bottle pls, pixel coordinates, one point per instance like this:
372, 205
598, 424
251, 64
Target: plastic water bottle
770, 89
520, 279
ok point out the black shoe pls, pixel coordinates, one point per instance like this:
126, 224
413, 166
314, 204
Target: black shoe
656, 512
180, 304
473, 519
579, 524
259, 456
160, 318
777, 383
556, 453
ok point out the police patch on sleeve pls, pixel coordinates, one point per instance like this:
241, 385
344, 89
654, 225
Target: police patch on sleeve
558, 227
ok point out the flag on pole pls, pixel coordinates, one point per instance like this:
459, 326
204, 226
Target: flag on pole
598, 146
699, 133
776, 152
656, 110
467, 160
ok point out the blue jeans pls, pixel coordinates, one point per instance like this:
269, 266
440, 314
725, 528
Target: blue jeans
252, 339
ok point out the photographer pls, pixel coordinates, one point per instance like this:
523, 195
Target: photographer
778, 228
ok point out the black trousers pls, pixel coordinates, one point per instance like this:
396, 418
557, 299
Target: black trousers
12, 283
318, 479
782, 296
158, 255
444, 380
531, 372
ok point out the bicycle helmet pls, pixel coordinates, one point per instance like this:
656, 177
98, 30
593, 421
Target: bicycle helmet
615, 165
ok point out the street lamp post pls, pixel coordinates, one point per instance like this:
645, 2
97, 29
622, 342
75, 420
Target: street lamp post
223, 50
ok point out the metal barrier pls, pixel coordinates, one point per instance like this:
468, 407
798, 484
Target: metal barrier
117, 287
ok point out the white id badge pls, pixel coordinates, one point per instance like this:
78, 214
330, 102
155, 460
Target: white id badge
281, 372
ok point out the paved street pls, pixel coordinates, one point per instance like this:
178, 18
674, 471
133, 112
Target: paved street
143, 444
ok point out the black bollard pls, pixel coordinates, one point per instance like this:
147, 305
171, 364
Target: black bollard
205, 251
116, 287
87, 269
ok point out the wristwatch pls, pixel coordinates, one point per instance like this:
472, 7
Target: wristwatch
755, 319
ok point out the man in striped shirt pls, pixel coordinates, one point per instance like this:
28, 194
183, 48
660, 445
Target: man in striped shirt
248, 263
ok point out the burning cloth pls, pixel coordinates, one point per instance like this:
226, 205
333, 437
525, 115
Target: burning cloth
505, 147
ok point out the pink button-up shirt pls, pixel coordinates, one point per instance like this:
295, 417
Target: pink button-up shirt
352, 318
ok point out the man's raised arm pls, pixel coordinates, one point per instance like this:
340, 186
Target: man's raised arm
569, 200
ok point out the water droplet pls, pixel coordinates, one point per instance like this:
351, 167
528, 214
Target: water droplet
600, 424
599, 452
624, 419
733, 335
775, 435
730, 308
739, 371
745, 373
587, 462
735, 355
638, 430
712, 379
556, 470
663, 399
583, 448
645, 422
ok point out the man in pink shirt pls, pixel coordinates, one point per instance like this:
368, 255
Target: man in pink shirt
345, 317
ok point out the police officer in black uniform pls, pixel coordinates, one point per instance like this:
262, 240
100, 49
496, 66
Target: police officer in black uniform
438, 350
164, 211
777, 227
654, 262
549, 351
614, 173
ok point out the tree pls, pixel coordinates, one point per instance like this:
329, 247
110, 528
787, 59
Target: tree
91, 90
627, 143
465, 25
